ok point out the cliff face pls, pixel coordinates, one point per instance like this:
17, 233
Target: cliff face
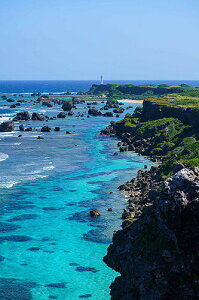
152, 110
158, 254
157, 251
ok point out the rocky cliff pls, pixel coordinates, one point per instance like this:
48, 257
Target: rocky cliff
154, 110
157, 250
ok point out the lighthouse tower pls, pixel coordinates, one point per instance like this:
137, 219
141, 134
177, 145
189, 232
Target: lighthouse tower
102, 81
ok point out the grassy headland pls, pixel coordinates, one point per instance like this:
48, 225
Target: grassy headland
158, 131
141, 92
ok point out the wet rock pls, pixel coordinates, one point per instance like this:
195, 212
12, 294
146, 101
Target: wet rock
110, 209
94, 213
7, 126
37, 117
46, 103
93, 111
67, 106
108, 114
57, 129
45, 129
85, 296
70, 113
21, 127
22, 116
13, 106
40, 137
61, 115
10, 100
127, 214
28, 129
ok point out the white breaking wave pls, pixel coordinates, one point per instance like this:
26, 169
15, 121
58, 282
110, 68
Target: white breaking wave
7, 185
48, 168
3, 156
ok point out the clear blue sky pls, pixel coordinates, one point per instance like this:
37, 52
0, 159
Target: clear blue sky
82, 39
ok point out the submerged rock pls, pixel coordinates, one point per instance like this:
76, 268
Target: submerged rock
60, 285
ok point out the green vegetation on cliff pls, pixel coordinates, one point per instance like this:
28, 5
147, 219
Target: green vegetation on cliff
167, 138
129, 91
179, 100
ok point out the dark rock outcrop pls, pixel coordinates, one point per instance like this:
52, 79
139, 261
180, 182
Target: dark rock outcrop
94, 111
45, 129
152, 111
61, 115
7, 126
157, 255
37, 117
21, 127
94, 213
22, 116
68, 105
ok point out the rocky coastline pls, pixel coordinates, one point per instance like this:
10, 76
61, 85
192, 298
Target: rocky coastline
157, 250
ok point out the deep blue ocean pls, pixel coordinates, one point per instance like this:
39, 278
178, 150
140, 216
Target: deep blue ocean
29, 86
50, 248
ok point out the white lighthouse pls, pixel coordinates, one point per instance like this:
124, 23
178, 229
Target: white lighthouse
102, 81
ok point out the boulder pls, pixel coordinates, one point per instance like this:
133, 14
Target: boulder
28, 129
127, 214
37, 117
45, 129
93, 111
48, 104
13, 106
61, 115
70, 113
68, 105
94, 213
22, 116
108, 114
7, 126
21, 127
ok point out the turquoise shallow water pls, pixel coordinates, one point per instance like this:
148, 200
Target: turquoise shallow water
52, 249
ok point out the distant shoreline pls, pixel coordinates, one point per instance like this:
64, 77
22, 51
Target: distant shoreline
130, 101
